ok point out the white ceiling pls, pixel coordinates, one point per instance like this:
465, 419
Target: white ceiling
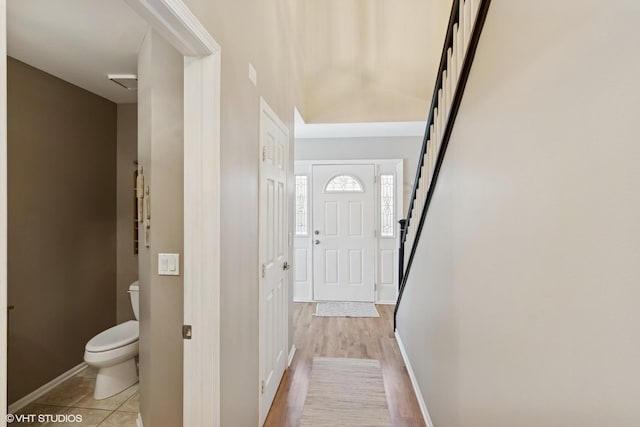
80, 41
369, 60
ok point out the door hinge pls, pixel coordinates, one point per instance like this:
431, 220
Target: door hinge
264, 153
186, 332
264, 271
262, 387
375, 232
375, 179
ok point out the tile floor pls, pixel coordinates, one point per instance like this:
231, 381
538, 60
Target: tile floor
75, 397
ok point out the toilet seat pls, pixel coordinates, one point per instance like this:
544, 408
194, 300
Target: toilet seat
118, 336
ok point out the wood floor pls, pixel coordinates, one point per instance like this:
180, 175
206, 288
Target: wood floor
366, 338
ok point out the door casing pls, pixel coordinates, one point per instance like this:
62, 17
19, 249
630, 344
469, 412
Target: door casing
303, 247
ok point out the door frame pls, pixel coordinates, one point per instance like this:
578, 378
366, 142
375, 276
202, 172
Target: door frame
266, 109
305, 167
202, 71
3, 211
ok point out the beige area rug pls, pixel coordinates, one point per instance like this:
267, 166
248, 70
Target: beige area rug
345, 393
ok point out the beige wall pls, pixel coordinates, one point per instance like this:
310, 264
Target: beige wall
62, 229
405, 147
160, 153
255, 31
522, 307
127, 261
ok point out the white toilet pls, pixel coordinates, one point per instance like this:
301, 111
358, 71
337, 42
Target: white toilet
113, 352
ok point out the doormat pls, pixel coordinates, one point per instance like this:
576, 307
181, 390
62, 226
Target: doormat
346, 309
345, 393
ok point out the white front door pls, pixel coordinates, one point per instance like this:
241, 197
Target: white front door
343, 232
274, 156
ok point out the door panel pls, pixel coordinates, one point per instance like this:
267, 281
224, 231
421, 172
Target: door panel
274, 142
355, 219
343, 227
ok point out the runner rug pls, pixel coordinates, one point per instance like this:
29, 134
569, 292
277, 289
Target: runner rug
345, 393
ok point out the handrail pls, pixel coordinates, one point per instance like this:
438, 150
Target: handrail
463, 33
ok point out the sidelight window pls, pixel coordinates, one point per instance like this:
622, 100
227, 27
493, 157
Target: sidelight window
302, 205
387, 206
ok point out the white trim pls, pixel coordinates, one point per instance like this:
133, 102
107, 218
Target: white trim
303, 299
202, 242
3, 211
41, 391
202, 71
176, 23
348, 162
414, 383
292, 353
355, 130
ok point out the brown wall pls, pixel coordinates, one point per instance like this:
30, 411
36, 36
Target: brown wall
62, 229
127, 262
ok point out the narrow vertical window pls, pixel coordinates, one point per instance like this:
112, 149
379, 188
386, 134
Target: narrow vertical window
387, 206
301, 205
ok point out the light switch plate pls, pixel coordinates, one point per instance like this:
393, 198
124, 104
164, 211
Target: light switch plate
169, 264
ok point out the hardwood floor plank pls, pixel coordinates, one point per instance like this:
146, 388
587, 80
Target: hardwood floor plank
365, 338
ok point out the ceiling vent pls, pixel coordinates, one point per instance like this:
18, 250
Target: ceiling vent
127, 81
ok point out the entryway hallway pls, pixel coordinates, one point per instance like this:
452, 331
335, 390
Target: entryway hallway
364, 338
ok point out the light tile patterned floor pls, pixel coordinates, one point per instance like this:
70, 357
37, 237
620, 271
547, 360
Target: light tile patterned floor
75, 397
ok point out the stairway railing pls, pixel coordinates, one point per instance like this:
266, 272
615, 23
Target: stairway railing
463, 33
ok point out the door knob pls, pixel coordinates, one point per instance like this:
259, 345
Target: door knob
286, 266
316, 232
317, 242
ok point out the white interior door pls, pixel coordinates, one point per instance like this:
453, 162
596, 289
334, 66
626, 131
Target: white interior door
343, 232
274, 143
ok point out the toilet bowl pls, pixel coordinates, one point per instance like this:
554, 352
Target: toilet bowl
113, 352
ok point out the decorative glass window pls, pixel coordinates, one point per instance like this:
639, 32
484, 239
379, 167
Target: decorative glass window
387, 206
301, 205
343, 184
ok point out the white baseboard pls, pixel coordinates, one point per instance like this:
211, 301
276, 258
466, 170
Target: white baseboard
139, 420
414, 383
302, 300
35, 395
386, 302
292, 353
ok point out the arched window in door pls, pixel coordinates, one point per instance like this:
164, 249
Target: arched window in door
344, 184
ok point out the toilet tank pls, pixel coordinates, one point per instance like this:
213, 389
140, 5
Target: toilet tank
134, 292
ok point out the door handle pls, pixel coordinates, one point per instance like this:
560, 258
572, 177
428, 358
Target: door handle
286, 266
316, 232
317, 242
